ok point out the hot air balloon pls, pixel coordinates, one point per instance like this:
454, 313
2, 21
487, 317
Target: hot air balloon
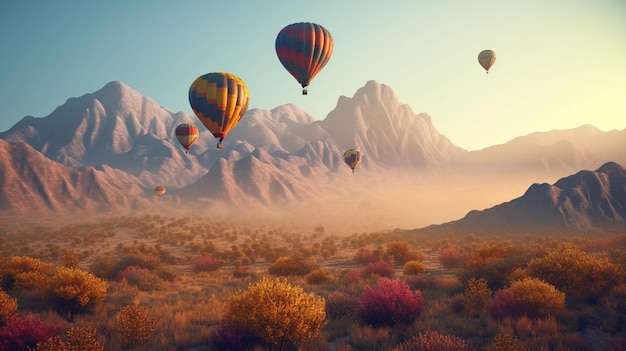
487, 58
219, 100
352, 158
187, 134
304, 49
159, 191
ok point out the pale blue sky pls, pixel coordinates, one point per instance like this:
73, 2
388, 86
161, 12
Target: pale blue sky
561, 63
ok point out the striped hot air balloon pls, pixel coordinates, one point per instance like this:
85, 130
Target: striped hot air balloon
304, 49
352, 158
187, 134
219, 100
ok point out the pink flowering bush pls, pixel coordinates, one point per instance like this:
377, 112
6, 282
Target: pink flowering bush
21, 333
390, 302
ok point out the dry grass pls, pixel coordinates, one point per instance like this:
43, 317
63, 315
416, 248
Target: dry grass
189, 305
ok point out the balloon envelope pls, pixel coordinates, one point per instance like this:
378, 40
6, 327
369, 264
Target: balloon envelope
187, 134
304, 49
487, 58
219, 100
159, 190
352, 158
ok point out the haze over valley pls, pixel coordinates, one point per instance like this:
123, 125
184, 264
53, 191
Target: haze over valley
107, 150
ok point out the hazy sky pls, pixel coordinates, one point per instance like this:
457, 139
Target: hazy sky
560, 63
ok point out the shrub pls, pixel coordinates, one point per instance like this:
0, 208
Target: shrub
140, 277
76, 339
70, 259
476, 296
167, 272
8, 306
530, 296
135, 326
505, 304
207, 264
104, 267
538, 297
340, 305
503, 342
228, 337
413, 268
379, 268
318, 276
23, 272
20, 333
276, 312
434, 341
576, 273
142, 260
388, 303
451, 258
288, 265
72, 290
398, 251
365, 256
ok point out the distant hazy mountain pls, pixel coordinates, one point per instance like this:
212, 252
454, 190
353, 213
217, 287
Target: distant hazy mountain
557, 151
587, 200
31, 183
118, 127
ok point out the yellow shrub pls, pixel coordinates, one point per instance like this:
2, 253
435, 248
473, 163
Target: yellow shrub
277, 312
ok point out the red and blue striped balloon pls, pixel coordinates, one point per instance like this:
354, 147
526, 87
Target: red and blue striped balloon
304, 49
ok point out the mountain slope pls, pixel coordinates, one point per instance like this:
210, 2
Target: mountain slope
32, 183
387, 131
115, 126
587, 200
558, 151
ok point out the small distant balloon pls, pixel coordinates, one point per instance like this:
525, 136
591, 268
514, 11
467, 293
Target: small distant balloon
304, 49
187, 134
219, 100
159, 191
487, 58
352, 158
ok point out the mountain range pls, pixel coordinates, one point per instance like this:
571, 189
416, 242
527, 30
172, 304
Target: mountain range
587, 201
110, 148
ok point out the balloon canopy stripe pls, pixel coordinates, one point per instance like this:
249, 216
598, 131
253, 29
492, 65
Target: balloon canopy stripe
304, 49
219, 100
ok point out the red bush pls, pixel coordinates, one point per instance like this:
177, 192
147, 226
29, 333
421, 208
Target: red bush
389, 302
505, 304
451, 258
206, 264
19, 333
352, 277
379, 268
365, 256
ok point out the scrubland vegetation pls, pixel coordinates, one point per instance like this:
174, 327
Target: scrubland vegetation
166, 283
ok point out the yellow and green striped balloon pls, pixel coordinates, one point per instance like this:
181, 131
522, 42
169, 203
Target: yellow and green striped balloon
219, 100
